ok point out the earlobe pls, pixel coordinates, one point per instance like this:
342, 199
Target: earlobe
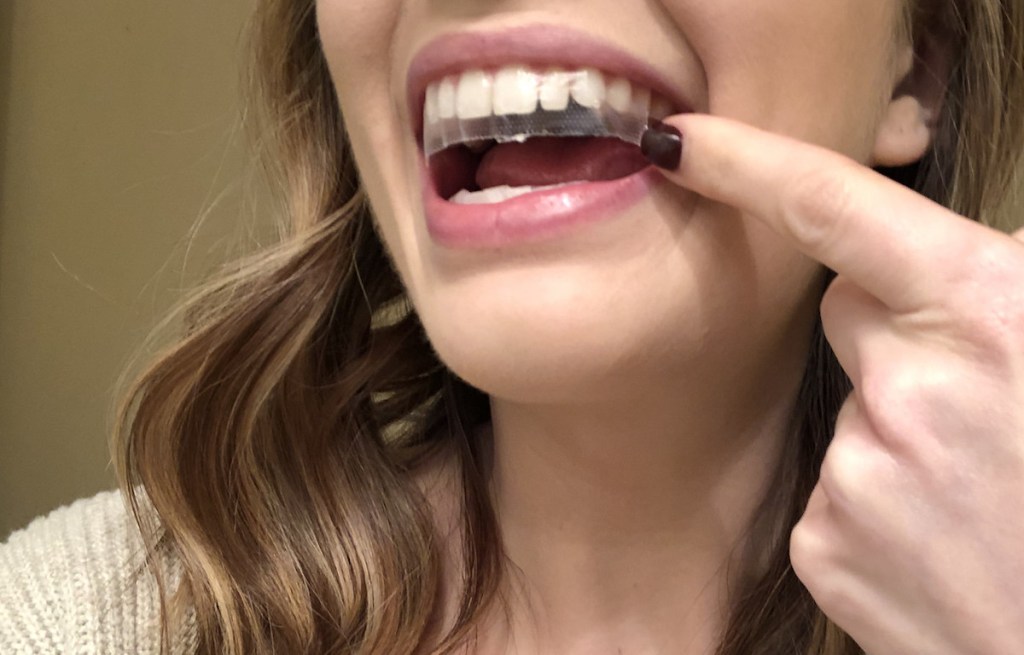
909, 121
904, 133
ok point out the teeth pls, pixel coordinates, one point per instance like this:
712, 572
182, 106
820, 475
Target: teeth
588, 90
499, 194
554, 90
515, 91
641, 101
474, 97
431, 110
660, 108
516, 102
620, 95
445, 98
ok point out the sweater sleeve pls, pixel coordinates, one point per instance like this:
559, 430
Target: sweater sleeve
73, 582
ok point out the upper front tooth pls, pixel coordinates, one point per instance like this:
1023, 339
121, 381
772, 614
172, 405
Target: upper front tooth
446, 98
519, 90
431, 107
554, 90
641, 101
473, 96
620, 94
588, 88
516, 91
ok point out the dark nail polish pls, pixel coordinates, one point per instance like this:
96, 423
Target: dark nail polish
662, 144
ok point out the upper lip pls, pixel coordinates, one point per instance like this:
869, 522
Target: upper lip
531, 45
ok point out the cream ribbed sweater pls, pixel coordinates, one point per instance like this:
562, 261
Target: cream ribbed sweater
67, 585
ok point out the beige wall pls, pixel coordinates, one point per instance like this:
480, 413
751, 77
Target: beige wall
117, 133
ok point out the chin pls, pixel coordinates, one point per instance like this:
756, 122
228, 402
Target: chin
582, 351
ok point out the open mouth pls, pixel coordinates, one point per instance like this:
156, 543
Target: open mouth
493, 135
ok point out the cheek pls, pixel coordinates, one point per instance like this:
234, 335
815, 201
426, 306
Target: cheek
357, 39
817, 70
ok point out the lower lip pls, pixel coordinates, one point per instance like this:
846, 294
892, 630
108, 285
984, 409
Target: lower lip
535, 216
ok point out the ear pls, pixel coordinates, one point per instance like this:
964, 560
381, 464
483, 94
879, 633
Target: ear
910, 119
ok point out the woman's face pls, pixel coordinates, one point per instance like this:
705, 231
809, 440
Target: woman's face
653, 284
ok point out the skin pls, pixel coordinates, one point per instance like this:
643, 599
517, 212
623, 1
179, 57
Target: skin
641, 371
912, 539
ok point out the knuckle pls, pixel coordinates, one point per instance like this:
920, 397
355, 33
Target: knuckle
814, 564
836, 601
990, 296
890, 393
805, 551
817, 205
992, 261
901, 404
842, 474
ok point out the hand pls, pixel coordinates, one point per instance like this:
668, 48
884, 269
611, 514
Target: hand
913, 538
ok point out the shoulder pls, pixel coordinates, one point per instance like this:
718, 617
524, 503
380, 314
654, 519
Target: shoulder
75, 581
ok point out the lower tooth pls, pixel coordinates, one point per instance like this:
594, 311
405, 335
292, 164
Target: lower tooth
498, 194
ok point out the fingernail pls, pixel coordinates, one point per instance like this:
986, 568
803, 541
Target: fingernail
662, 144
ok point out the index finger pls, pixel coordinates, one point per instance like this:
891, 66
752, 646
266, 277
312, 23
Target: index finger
881, 235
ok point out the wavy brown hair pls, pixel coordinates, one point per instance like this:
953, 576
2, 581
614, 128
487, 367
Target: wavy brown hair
269, 453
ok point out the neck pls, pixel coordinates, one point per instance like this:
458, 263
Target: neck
623, 515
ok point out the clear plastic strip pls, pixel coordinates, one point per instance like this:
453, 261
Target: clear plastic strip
516, 103
576, 120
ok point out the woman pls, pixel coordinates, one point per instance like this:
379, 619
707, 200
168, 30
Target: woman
453, 412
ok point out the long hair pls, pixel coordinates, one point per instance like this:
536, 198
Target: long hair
268, 452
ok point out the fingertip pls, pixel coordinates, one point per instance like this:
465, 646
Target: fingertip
662, 144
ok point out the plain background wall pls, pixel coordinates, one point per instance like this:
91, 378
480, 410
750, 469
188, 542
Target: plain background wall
118, 122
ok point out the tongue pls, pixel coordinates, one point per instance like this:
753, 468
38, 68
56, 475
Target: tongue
553, 160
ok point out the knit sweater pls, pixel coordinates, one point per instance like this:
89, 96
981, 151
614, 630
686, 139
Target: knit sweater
68, 585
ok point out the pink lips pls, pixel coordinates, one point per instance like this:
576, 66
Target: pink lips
530, 217
541, 214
